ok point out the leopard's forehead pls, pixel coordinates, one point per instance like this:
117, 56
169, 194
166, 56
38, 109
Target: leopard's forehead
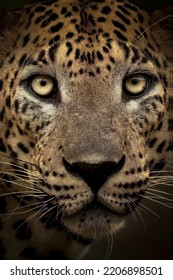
77, 20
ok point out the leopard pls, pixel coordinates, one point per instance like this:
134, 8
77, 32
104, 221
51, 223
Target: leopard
86, 121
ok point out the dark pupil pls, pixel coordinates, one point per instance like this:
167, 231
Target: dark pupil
43, 83
134, 81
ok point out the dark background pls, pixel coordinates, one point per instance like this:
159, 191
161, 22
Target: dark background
149, 4
149, 235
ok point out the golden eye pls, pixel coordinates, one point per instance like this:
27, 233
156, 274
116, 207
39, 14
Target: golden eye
136, 84
42, 85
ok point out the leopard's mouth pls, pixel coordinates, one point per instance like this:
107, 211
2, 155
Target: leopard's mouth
92, 214
95, 219
98, 206
71, 204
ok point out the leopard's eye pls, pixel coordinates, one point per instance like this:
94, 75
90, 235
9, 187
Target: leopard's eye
136, 84
42, 85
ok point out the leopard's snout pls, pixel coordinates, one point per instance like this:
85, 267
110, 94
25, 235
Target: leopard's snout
94, 174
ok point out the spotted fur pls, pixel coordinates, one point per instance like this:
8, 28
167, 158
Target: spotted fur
75, 163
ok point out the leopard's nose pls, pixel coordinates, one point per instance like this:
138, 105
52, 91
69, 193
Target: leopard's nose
95, 174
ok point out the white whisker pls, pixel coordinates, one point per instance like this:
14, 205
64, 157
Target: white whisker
156, 201
149, 210
110, 244
152, 25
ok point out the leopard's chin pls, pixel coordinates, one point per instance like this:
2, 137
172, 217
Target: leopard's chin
94, 223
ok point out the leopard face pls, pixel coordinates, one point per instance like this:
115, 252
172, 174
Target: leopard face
85, 110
